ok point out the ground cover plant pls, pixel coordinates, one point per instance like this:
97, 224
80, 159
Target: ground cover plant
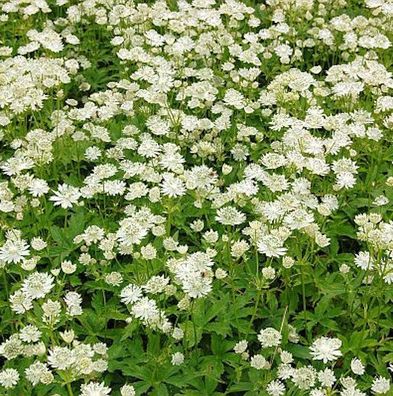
196, 197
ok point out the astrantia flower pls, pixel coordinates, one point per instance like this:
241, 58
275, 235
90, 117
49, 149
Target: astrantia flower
38, 244
100, 348
145, 309
230, 216
51, 310
127, 390
327, 378
177, 333
30, 333
38, 285
68, 336
36, 371
68, 267
177, 359
352, 391
304, 377
20, 302
172, 186
94, 389
357, 366
66, 196
14, 250
259, 362
234, 98
318, 392
114, 278
73, 301
93, 234
199, 261
286, 357
269, 337
380, 385
326, 349
271, 246
275, 388
12, 347
9, 378
92, 153
240, 347
156, 284
215, 107
38, 187
114, 187
61, 358
131, 294
197, 287
364, 261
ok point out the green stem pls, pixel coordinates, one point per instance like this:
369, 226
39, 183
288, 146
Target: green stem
5, 283
258, 297
69, 389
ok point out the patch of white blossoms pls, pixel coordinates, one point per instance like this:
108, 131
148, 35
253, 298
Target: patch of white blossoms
222, 138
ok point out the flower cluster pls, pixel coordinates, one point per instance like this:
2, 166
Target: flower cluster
195, 197
317, 381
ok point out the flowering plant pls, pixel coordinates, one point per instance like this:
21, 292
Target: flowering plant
195, 197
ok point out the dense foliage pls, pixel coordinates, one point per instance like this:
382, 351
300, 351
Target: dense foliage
195, 197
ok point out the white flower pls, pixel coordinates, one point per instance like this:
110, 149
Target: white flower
94, 389
326, 349
38, 285
37, 372
357, 366
145, 309
327, 378
380, 385
127, 390
68, 267
148, 252
38, 187
380, 200
177, 333
259, 362
73, 301
364, 261
220, 273
318, 392
131, 294
230, 216
268, 273
68, 336
304, 377
9, 378
61, 358
114, 278
14, 250
269, 337
177, 359
30, 333
286, 357
20, 302
234, 98
271, 246
240, 347
197, 287
172, 186
275, 388
38, 244
66, 196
